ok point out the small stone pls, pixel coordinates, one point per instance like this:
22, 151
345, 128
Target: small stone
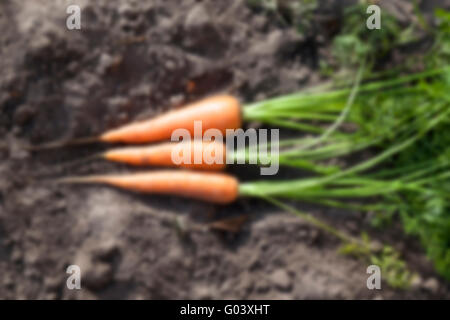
260, 96
432, 285
401, 10
198, 16
280, 278
320, 39
376, 245
417, 282
226, 286
143, 90
176, 100
303, 234
203, 293
31, 257
105, 62
118, 103
17, 153
170, 65
127, 10
38, 45
91, 81
260, 22
60, 204
270, 45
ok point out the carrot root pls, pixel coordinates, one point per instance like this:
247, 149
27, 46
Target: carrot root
219, 112
210, 187
195, 154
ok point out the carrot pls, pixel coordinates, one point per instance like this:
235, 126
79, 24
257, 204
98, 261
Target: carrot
211, 187
162, 155
220, 112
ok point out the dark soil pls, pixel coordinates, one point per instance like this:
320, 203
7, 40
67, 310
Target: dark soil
134, 59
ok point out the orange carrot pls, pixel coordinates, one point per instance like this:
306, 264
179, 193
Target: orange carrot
163, 155
220, 112
211, 187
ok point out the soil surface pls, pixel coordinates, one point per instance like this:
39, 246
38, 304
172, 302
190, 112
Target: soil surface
131, 60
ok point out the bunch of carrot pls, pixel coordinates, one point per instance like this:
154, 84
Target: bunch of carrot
220, 112
225, 112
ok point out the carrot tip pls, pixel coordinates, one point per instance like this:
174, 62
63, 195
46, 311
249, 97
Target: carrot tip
55, 145
75, 180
